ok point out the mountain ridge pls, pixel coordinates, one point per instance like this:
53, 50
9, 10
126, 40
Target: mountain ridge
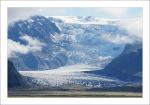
65, 43
126, 65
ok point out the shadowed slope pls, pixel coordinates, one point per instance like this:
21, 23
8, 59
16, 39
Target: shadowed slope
14, 78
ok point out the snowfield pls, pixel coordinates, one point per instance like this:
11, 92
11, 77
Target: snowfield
71, 76
84, 20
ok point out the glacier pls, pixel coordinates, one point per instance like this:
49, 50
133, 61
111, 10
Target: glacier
70, 75
73, 52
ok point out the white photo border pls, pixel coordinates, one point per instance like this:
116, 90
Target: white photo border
65, 101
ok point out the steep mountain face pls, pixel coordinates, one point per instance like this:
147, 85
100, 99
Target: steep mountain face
39, 28
14, 78
127, 66
65, 43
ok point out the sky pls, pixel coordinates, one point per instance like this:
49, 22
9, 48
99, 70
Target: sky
21, 13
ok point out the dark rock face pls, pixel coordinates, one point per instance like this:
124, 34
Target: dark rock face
14, 78
126, 66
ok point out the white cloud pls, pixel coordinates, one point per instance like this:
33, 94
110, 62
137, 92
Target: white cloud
133, 26
117, 39
15, 48
15, 14
114, 11
35, 45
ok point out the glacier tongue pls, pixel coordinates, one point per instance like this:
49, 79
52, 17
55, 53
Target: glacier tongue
69, 75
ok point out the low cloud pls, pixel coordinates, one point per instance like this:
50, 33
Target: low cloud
117, 39
35, 45
15, 48
134, 28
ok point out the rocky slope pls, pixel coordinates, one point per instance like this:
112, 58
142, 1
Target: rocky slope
127, 66
14, 78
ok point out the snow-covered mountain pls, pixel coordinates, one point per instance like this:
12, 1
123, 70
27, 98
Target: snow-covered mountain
70, 51
65, 40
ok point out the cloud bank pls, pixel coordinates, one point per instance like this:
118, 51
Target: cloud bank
134, 28
118, 39
15, 48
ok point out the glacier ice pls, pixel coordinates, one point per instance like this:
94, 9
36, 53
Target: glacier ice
70, 75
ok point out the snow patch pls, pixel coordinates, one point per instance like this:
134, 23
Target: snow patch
30, 20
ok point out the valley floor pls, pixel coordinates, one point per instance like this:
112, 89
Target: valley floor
91, 94
71, 81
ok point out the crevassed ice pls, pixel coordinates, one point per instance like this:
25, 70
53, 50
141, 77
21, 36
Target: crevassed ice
69, 75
